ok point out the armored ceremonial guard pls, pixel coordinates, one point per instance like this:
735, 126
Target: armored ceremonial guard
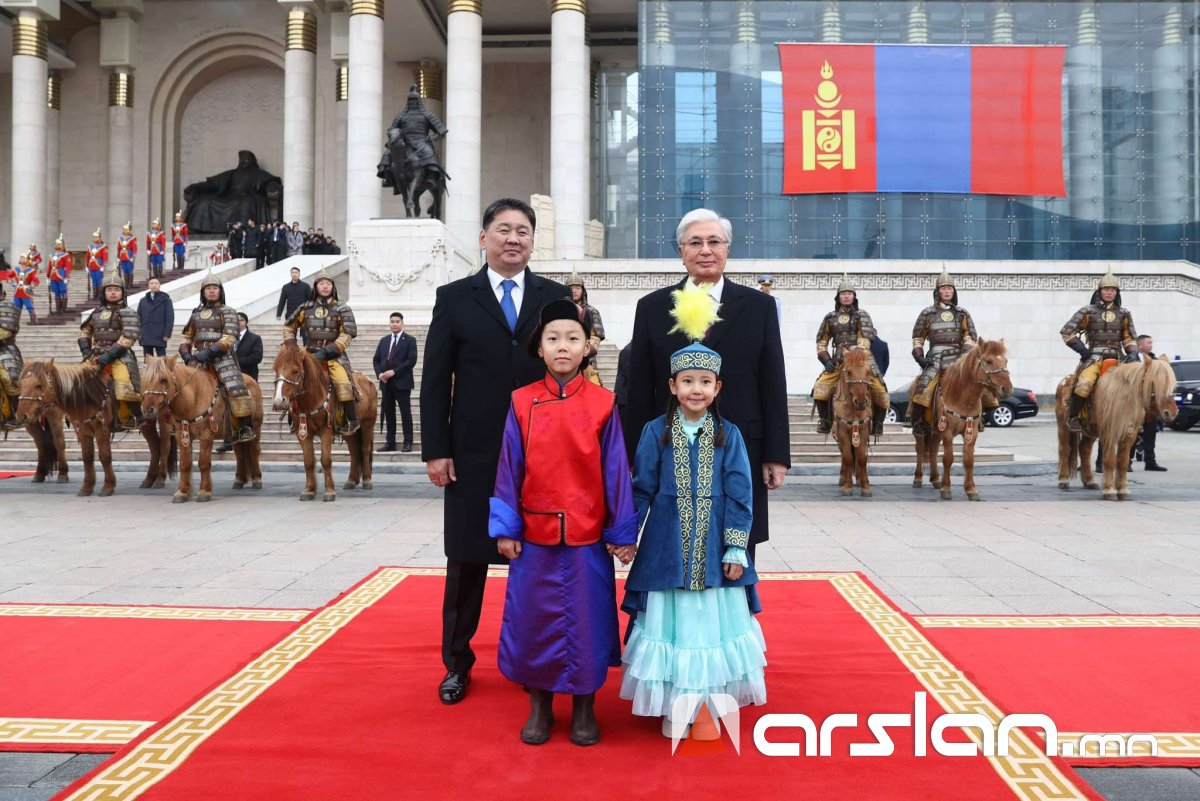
950, 332
847, 326
10, 363
156, 248
34, 256
179, 239
108, 336
59, 273
97, 257
210, 339
127, 253
329, 328
1108, 329
24, 278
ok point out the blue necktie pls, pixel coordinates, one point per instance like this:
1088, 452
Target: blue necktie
507, 305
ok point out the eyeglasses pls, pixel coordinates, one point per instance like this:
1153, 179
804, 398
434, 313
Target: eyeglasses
711, 244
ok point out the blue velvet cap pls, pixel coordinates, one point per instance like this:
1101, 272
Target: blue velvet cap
695, 357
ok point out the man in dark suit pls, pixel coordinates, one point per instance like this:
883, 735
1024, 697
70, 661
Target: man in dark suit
754, 388
249, 352
475, 356
394, 361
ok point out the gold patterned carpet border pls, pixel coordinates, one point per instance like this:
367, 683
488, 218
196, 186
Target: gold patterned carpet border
1027, 771
1057, 621
155, 612
53, 731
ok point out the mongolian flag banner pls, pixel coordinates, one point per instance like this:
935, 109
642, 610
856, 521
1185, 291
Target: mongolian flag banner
916, 118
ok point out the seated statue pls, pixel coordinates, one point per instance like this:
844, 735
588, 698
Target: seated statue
243, 193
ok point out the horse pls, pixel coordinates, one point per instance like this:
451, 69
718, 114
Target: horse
302, 387
1121, 401
852, 414
83, 393
192, 400
46, 431
958, 410
411, 180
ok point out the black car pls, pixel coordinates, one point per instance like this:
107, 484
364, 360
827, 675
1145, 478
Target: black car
1187, 393
1020, 404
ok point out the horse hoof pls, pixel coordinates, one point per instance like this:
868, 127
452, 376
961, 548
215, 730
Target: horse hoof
179, 497
917, 483
307, 496
158, 484
239, 484
39, 479
330, 496
844, 491
204, 497
972, 496
147, 484
946, 495
368, 485
104, 493
1092, 485
349, 485
256, 485
1064, 485
1110, 496
867, 492
62, 479
83, 493
1124, 495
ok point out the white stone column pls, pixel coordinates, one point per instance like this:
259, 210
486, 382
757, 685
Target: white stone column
299, 112
569, 79
53, 104
364, 134
1169, 83
1084, 69
29, 115
464, 117
120, 150
341, 94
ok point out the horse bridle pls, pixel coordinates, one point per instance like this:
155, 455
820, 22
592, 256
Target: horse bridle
323, 405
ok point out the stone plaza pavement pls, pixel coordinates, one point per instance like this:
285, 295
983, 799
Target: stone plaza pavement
1027, 548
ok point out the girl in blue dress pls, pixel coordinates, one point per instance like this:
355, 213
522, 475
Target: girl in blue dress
693, 640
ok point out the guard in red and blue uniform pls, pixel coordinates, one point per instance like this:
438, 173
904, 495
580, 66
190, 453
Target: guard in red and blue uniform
127, 253
156, 248
24, 278
179, 239
59, 272
97, 257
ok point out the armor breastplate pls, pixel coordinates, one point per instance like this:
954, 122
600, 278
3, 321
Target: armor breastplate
945, 329
208, 324
10, 319
843, 329
107, 326
322, 323
1105, 327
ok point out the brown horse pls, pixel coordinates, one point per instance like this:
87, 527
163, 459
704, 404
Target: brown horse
83, 393
1121, 401
852, 419
958, 411
191, 399
46, 431
302, 388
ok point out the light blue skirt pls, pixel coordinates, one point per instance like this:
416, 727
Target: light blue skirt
695, 643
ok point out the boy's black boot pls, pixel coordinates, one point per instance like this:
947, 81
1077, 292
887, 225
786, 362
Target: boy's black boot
541, 717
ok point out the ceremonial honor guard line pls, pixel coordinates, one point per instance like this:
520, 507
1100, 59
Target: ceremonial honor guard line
335, 709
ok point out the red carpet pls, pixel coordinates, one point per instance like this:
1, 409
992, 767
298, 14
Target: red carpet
346, 708
15, 474
90, 678
1089, 674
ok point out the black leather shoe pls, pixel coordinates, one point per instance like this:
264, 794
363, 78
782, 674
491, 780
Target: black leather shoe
1156, 468
454, 687
406, 447
387, 449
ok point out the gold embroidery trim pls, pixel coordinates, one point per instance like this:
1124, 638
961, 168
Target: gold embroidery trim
1058, 621
154, 612
53, 731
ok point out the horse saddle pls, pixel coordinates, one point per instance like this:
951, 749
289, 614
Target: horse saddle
1106, 365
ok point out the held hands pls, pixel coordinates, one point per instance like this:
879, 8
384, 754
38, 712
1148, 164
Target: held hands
623, 552
509, 548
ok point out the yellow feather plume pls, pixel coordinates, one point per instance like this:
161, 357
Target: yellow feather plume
695, 311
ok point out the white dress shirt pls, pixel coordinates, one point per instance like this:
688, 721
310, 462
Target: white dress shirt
518, 291
717, 289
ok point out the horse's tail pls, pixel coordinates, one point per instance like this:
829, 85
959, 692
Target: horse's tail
1073, 461
43, 437
172, 454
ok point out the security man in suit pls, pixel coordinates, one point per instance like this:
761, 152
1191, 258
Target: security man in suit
394, 361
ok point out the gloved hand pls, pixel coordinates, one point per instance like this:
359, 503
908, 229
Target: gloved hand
202, 356
328, 354
1133, 356
918, 355
106, 359
85, 346
830, 365
1083, 350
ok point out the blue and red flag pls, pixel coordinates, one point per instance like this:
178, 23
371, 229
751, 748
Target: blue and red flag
913, 118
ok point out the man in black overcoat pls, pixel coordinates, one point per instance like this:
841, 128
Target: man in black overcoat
754, 388
394, 360
475, 356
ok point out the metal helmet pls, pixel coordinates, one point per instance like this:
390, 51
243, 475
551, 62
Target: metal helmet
156, 223
575, 279
179, 215
60, 242
97, 235
847, 285
212, 279
324, 276
127, 227
944, 280
1109, 281
112, 277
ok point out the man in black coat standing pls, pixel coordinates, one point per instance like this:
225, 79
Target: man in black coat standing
156, 312
475, 356
253, 243
293, 293
249, 348
754, 387
237, 241
394, 361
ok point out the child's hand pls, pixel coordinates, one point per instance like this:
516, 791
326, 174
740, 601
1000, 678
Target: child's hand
623, 552
733, 571
509, 548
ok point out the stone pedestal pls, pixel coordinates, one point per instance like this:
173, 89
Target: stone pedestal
397, 265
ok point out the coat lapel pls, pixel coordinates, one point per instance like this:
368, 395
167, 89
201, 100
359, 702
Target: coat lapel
733, 301
533, 300
481, 289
